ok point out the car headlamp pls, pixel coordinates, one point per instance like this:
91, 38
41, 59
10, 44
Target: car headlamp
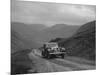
63, 48
49, 49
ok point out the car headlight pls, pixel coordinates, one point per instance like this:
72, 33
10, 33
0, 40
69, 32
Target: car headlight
63, 48
49, 49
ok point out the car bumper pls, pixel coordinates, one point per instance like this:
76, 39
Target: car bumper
57, 53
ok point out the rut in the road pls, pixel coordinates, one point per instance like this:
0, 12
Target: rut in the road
56, 65
43, 65
73, 65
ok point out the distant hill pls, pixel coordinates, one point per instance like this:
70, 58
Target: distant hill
40, 33
27, 30
82, 44
58, 30
19, 43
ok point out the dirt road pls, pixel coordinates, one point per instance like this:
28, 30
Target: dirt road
56, 65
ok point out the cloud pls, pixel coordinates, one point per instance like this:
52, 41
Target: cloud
51, 13
82, 11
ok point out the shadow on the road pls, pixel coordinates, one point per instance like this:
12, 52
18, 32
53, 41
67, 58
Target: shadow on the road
52, 57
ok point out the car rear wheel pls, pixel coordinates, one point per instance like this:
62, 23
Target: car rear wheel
43, 54
48, 56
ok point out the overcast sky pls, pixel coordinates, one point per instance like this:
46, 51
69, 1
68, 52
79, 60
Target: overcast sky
51, 13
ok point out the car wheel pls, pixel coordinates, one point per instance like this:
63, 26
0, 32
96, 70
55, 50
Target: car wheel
43, 55
48, 56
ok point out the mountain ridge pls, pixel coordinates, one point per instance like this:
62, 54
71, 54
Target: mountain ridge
43, 34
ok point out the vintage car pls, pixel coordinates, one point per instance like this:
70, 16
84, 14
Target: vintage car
52, 49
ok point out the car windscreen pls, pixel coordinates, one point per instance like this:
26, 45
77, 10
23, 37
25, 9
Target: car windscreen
51, 45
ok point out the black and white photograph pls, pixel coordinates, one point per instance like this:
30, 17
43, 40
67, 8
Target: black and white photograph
51, 37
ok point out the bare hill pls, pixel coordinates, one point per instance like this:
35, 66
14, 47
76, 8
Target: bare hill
58, 30
82, 44
19, 43
28, 31
40, 33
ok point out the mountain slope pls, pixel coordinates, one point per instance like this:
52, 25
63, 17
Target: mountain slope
82, 44
19, 43
27, 30
16, 42
40, 33
58, 30
20, 47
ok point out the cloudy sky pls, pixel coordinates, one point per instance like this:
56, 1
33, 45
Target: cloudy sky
51, 13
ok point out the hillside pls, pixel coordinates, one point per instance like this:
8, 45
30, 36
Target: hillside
20, 47
27, 30
40, 33
16, 42
58, 30
82, 44
20, 43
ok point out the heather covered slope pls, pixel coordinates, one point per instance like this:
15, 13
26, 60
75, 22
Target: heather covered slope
82, 44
